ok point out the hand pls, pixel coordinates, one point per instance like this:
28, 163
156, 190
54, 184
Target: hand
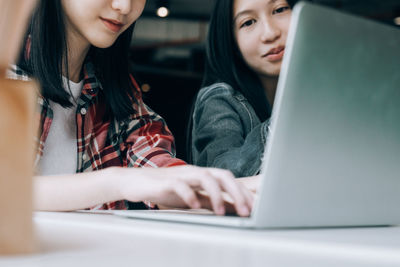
180, 187
251, 183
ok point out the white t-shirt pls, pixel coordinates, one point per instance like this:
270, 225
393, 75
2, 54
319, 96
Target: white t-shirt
60, 148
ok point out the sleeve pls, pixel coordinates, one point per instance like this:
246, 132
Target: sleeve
150, 142
219, 139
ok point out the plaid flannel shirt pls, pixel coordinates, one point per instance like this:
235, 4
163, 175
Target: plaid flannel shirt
143, 140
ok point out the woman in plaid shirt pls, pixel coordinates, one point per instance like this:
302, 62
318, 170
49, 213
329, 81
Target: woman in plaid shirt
93, 120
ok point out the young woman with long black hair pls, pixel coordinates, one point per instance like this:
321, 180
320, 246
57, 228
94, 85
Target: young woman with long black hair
245, 48
92, 120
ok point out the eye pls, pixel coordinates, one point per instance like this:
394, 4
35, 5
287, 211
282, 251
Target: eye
281, 10
248, 23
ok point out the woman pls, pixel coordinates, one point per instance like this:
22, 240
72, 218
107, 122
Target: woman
245, 48
93, 120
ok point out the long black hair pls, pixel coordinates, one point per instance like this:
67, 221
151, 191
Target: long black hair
45, 55
224, 63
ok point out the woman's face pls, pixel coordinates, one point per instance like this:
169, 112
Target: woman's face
260, 29
100, 22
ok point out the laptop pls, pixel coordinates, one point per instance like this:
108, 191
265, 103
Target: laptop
332, 157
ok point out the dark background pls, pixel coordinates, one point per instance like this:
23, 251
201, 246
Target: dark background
171, 69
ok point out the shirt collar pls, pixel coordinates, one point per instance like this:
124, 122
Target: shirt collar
91, 84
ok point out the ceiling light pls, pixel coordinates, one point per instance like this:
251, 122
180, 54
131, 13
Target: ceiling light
162, 11
162, 8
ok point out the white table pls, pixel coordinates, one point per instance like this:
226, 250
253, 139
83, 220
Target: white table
78, 239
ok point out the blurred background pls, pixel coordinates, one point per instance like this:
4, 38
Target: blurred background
168, 52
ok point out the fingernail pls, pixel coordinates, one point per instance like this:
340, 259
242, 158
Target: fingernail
196, 205
221, 210
244, 211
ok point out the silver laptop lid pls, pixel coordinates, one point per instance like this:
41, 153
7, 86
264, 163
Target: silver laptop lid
333, 156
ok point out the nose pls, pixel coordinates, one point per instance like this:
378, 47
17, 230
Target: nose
270, 31
122, 6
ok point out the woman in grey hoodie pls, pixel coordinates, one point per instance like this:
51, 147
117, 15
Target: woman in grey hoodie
245, 48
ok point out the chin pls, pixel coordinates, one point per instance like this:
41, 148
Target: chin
103, 42
102, 45
274, 72
271, 73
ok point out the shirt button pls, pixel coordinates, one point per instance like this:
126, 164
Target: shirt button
84, 157
83, 111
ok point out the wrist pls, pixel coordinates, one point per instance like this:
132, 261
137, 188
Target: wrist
125, 183
113, 183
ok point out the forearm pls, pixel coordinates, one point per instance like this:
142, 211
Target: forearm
76, 191
174, 187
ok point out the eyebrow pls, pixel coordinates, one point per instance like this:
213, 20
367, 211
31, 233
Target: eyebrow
249, 11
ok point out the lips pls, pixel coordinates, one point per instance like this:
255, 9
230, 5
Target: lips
275, 54
112, 25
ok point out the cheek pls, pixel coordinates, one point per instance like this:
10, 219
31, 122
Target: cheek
79, 10
247, 45
285, 25
136, 11
80, 19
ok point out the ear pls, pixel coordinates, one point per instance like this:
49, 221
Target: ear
14, 16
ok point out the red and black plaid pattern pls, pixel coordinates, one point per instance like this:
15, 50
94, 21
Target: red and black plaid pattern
143, 140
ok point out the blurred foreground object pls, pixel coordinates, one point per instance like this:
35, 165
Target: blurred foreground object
17, 100
16, 165
14, 16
